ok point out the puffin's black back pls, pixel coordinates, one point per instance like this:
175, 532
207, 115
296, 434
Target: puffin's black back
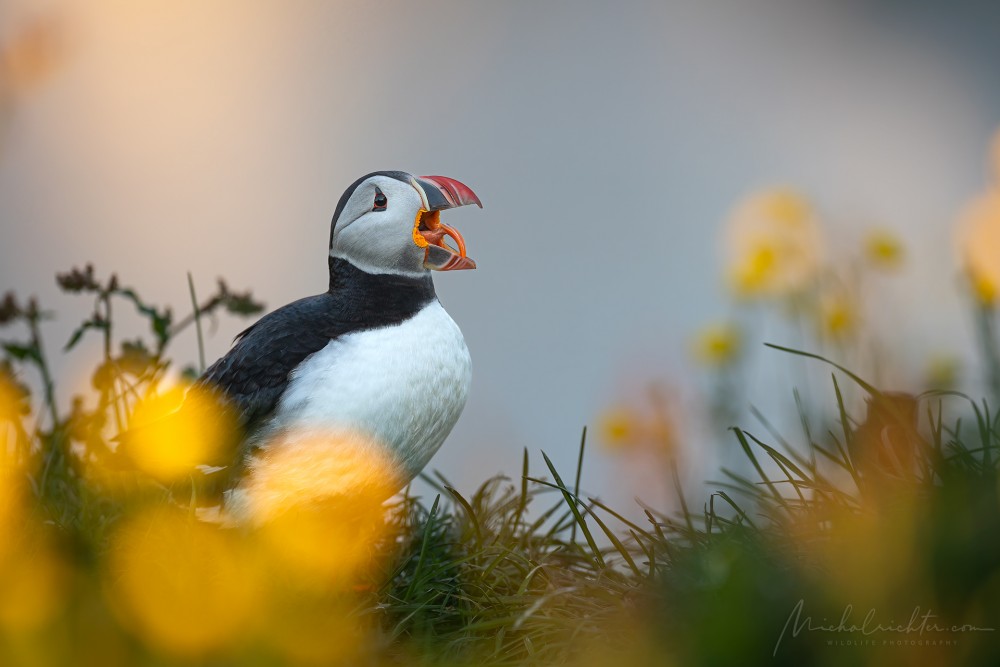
254, 374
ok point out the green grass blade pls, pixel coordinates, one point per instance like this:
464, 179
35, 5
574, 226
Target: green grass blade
469, 512
579, 470
675, 474
425, 541
861, 382
739, 510
745, 444
598, 503
598, 559
616, 542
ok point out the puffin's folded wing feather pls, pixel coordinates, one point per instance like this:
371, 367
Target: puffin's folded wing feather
254, 373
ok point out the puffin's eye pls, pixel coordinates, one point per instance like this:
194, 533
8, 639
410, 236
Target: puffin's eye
381, 201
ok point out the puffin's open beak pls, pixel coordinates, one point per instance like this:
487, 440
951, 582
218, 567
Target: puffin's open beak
437, 194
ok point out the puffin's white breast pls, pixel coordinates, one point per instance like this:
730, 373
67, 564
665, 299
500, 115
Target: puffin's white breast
402, 386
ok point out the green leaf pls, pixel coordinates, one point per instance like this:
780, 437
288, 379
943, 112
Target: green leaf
21, 352
92, 323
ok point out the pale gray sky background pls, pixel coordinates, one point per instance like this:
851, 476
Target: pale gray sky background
608, 141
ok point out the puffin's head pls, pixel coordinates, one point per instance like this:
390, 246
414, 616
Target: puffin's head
389, 222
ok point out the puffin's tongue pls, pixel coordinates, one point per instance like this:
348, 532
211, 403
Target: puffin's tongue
429, 233
436, 237
430, 227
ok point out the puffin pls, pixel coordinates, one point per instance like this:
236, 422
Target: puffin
351, 391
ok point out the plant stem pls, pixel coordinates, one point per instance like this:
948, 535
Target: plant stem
48, 384
188, 320
197, 325
55, 440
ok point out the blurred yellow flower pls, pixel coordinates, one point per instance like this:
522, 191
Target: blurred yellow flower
979, 245
305, 632
773, 244
838, 315
985, 289
10, 501
34, 581
33, 577
620, 428
942, 372
309, 469
12, 404
13, 407
883, 249
31, 55
316, 501
185, 587
872, 557
718, 345
651, 429
171, 433
325, 548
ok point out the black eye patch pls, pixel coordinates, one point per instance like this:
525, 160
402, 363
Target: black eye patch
381, 201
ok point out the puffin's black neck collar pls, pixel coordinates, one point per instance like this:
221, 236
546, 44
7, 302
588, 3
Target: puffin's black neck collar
344, 276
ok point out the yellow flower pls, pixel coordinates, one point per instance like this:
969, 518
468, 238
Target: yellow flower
942, 372
171, 433
979, 246
984, 288
307, 468
33, 577
316, 499
13, 397
12, 506
773, 244
718, 345
185, 587
620, 428
652, 428
883, 249
838, 316
33, 582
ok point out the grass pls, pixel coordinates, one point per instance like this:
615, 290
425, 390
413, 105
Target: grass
866, 539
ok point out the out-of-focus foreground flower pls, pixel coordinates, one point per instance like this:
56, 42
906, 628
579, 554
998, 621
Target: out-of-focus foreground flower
184, 586
198, 590
34, 576
773, 244
167, 443
317, 502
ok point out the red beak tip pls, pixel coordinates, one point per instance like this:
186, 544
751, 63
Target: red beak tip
455, 191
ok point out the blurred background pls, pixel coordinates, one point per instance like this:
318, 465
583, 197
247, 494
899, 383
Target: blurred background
611, 144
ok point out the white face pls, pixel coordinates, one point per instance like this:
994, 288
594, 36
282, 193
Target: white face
379, 239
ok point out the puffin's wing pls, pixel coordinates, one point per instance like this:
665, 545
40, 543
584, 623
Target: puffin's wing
254, 373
